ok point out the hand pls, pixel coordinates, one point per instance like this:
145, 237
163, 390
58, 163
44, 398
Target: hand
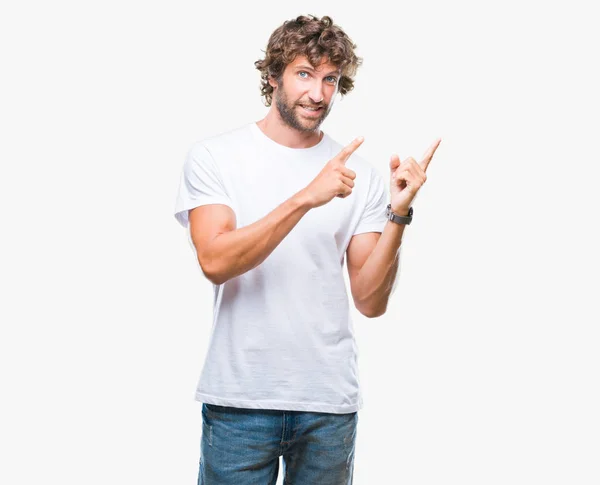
335, 179
407, 178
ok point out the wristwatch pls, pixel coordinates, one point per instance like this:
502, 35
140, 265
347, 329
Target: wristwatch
396, 218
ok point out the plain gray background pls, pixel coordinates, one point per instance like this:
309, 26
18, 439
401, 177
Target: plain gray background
485, 368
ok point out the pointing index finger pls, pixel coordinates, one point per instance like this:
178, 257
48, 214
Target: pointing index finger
429, 154
350, 149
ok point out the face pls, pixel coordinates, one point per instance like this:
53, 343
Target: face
302, 85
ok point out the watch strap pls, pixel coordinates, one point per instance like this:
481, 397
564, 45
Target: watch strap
397, 218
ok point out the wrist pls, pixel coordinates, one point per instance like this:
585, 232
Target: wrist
303, 200
399, 217
400, 211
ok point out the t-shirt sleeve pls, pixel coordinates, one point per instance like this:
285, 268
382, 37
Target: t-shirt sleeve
200, 183
373, 217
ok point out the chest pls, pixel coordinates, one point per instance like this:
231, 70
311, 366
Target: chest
258, 185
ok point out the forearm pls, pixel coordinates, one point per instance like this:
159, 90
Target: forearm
376, 278
235, 252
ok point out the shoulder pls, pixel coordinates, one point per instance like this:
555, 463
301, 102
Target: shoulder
214, 150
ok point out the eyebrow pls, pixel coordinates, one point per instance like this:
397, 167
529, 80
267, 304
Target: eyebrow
308, 68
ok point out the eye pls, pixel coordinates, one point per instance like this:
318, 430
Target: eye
333, 79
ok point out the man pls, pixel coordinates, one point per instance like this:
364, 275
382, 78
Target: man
273, 208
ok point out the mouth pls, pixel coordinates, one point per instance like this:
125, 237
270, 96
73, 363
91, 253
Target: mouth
311, 110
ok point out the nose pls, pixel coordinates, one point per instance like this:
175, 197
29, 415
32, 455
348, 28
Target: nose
316, 94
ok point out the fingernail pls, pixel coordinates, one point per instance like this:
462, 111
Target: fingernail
360, 138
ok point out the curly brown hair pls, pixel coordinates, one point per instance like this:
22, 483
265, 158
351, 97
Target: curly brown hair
315, 39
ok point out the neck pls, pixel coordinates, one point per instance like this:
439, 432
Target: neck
273, 126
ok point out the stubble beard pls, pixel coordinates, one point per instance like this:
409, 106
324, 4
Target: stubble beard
289, 113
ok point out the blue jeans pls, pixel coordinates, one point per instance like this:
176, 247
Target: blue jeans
242, 446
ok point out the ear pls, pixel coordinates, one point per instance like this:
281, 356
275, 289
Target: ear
272, 82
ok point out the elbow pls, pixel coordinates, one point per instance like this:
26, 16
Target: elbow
214, 279
371, 312
374, 314
211, 271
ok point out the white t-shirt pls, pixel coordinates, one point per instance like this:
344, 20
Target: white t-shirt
282, 335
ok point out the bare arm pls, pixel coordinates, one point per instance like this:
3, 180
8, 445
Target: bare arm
373, 258
373, 261
225, 252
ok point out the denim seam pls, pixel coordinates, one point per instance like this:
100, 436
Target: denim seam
282, 428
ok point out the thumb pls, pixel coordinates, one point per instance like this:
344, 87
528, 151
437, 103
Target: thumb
394, 162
